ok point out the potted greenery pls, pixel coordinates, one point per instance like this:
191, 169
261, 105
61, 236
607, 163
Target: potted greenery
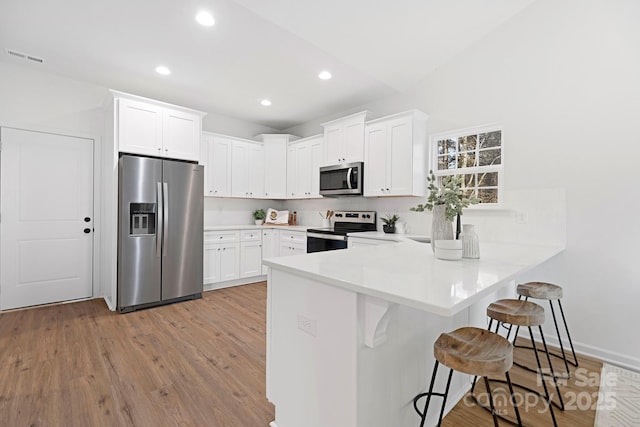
389, 223
259, 216
446, 202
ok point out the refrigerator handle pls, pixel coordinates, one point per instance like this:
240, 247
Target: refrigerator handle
165, 223
159, 226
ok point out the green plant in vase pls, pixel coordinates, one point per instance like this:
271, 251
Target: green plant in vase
446, 201
389, 223
259, 216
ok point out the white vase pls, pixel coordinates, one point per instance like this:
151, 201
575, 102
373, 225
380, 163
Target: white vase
259, 221
470, 243
441, 229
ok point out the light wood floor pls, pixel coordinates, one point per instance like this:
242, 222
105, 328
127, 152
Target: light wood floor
196, 363
579, 394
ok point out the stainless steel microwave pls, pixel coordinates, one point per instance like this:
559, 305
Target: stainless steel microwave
341, 180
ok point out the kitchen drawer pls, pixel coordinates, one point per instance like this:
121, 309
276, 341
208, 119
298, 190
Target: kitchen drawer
221, 236
299, 237
250, 235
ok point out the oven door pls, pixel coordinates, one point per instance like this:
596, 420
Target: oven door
317, 242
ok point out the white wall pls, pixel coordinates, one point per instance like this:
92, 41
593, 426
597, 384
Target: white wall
32, 99
563, 78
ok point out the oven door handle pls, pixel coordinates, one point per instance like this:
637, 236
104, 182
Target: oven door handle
327, 236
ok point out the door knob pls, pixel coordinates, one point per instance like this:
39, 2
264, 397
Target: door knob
87, 230
87, 219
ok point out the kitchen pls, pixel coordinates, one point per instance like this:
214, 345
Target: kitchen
560, 92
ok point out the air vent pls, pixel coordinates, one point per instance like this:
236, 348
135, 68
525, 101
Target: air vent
26, 57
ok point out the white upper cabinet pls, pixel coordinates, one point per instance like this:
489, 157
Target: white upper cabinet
303, 168
216, 158
247, 169
181, 134
344, 139
275, 164
395, 160
153, 128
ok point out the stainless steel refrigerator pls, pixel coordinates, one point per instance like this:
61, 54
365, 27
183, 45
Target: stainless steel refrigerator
160, 231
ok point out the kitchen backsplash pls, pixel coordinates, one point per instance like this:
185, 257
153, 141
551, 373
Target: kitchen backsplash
533, 216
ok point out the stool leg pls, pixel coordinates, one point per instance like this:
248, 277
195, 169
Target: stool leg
493, 409
553, 375
544, 384
564, 320
423, 415
513, 399
444, 398
555, 323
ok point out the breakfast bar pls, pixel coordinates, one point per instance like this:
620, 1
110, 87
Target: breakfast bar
350, 333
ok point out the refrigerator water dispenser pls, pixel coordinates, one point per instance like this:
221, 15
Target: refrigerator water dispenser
142, 219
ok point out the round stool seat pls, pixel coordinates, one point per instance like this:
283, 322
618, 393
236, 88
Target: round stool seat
539, 290
474, 351
516, 312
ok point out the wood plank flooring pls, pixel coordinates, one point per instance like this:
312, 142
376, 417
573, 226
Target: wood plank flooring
579, 394
196, 363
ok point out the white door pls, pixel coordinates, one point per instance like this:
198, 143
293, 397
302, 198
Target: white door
140, 128
400, 157
316, 161
239, 169
250, 259
375, 161
255, 162
211, 263
47, 218
230, 261
181, 135
220, 167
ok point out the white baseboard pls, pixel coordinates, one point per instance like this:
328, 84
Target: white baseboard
612, 357
237, 282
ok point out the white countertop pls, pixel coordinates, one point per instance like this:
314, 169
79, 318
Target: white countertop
395, 237
407, 273
254, 227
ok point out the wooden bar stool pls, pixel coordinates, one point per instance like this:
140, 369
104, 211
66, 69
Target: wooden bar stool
551, 293
471, 351
526, 314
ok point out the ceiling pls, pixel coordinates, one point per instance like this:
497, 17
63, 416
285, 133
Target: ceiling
257, 49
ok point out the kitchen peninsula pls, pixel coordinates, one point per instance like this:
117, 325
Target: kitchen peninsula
350, 333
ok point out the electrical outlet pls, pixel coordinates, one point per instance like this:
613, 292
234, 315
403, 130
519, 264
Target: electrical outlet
522, 217
307, 325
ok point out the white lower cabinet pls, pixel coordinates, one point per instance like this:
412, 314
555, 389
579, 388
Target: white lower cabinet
292, 243
250, 253
235, 255
221, 256
270, 245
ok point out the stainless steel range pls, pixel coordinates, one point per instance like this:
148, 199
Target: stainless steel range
329, 239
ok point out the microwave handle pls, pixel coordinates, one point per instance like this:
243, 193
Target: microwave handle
349, 178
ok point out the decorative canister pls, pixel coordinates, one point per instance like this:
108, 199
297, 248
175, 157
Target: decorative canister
470, 243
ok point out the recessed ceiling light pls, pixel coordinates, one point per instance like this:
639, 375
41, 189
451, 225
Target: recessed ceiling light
205, 19
265, 102
324, 75
161, 69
